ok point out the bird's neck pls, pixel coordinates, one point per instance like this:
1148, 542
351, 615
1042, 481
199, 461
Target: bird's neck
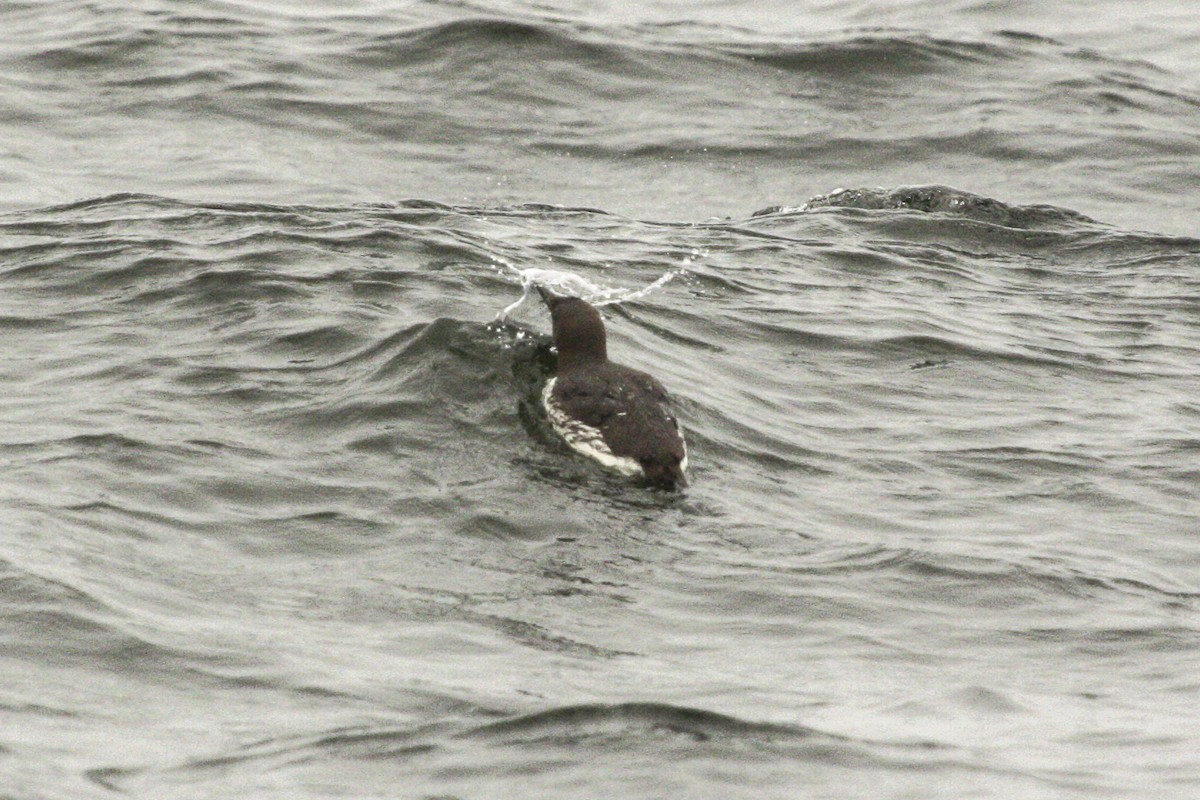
574, 358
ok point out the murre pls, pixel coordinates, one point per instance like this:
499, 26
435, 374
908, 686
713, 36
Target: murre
619, 416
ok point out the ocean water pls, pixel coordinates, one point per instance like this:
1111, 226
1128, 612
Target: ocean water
279, 515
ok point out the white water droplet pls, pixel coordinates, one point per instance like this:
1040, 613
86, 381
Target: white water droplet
568, 283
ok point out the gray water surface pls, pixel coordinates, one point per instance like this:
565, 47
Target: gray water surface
279, 519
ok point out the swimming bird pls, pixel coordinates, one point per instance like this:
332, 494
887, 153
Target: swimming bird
616, 415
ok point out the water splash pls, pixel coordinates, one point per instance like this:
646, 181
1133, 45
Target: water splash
564, 282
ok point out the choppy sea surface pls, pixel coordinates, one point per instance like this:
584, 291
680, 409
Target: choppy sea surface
278, 514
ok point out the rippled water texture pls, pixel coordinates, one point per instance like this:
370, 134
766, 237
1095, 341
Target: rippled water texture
667, 111
279, 514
